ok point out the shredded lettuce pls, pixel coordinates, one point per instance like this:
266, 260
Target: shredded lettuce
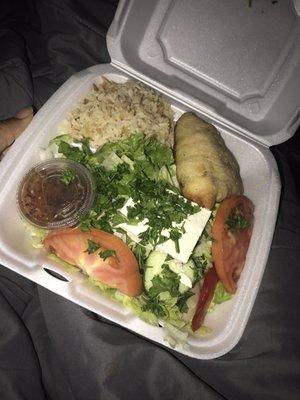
125, 168
175, 337
202, 256
221, 294
134, 304
169, 174
202, 331
37, 235
61, 138
68, 267
111, 161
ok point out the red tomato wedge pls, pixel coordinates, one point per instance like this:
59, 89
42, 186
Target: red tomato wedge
231, 232
119, 270
205, 297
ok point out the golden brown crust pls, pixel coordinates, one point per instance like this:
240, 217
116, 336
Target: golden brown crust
206, 169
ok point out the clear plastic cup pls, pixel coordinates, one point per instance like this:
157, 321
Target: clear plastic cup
56, 193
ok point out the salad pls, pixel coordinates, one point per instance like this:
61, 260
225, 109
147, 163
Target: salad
153, 214
141, 243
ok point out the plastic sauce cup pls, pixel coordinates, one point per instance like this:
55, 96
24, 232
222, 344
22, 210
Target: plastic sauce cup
56, 193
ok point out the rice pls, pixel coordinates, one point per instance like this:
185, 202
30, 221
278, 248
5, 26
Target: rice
112, 111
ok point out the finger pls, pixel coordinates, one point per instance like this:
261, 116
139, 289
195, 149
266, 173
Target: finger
21, 124
7, 134
25, 112
10, 129
2, 155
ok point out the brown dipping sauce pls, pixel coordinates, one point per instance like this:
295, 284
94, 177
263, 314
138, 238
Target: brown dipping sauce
47, 201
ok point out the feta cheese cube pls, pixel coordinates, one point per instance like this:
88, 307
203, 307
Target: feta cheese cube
193, 227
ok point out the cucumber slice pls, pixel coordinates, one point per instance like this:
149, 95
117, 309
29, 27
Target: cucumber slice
153, 267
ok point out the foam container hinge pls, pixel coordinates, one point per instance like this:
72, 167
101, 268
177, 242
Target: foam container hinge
147, 56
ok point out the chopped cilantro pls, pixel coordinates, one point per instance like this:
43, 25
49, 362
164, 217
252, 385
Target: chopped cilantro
236, 221
92, 247
154, 197
181, 302
154, 305
71, 152
68, 176
158, 153
140, 254
167, 281
201, 264
175, 235
163, 297
107, 253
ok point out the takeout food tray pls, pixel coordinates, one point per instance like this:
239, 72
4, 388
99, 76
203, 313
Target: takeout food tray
258, 171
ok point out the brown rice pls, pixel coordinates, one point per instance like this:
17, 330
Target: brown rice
113, 111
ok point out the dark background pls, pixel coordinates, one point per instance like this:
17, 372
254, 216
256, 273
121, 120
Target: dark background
51, 348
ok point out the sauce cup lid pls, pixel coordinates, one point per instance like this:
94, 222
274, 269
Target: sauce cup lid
56, 194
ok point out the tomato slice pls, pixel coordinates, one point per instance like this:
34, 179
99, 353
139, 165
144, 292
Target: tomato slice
119, 269
231, 232
205, 297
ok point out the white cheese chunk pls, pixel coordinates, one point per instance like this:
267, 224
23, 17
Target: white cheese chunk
193, 226
185, 280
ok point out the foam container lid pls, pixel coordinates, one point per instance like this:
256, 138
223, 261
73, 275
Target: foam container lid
184, 92
238, 62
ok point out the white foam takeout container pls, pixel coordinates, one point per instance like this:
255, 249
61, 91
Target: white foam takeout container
229, 63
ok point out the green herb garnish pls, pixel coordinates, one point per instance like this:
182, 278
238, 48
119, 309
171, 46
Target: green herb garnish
140, 254
167, 281
181, 302
155, 306
92, 247
164, 298
236, 221
201, 264
132, 168
107, 253
68, 176
175, 235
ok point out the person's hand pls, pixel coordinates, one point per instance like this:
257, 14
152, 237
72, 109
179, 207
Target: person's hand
11, 128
